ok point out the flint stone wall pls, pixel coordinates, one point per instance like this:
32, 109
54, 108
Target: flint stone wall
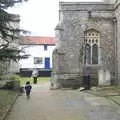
75, 19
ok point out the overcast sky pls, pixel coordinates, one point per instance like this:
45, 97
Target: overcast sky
40, 16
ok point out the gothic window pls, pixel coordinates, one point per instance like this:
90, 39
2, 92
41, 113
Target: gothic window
95, 54
87, 54
91, 47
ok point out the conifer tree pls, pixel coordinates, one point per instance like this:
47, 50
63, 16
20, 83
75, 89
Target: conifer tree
9, 31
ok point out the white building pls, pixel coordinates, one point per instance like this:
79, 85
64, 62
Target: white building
40, 50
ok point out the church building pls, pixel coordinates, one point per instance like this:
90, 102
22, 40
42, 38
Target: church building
87, 43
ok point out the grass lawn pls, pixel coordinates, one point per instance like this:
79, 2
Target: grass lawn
112, 87
6, 98
116, 99
23, 80
111, 92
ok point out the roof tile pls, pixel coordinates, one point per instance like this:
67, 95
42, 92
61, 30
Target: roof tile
39, 40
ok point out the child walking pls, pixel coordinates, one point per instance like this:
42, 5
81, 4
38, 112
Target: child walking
28, 88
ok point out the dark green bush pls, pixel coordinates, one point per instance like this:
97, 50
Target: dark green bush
9, 84
15, 77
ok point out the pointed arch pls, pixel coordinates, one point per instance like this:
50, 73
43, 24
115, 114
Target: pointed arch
92, 40
87, 54
95, 54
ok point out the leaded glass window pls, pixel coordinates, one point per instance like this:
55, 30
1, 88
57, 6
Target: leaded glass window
95, 54
92, 38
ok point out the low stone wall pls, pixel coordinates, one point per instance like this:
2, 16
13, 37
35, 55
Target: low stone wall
66, 81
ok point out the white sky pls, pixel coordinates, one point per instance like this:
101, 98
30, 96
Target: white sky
40, 16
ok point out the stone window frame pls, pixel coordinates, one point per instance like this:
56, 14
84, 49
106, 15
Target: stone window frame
91, 39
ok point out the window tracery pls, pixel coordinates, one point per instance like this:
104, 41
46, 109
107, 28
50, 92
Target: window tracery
92, 38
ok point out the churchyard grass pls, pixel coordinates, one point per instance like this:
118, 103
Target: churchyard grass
6, 98
110, 92
116, 99
23, 80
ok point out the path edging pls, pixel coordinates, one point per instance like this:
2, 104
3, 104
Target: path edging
9, 108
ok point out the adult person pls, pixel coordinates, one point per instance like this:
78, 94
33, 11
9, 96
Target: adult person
35, 76
87, 82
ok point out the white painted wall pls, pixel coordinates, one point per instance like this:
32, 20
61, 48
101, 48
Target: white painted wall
36, 51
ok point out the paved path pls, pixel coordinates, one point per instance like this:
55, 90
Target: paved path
46, 104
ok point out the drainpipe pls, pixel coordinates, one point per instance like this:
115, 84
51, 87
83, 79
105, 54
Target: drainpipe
116, 49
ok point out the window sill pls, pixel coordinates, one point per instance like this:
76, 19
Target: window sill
92, 65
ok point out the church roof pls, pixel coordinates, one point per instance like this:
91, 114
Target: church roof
37, 40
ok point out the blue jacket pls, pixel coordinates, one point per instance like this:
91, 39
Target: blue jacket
28, 88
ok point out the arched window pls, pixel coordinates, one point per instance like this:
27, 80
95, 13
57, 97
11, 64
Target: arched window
87, 54
95, 54
92, 38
